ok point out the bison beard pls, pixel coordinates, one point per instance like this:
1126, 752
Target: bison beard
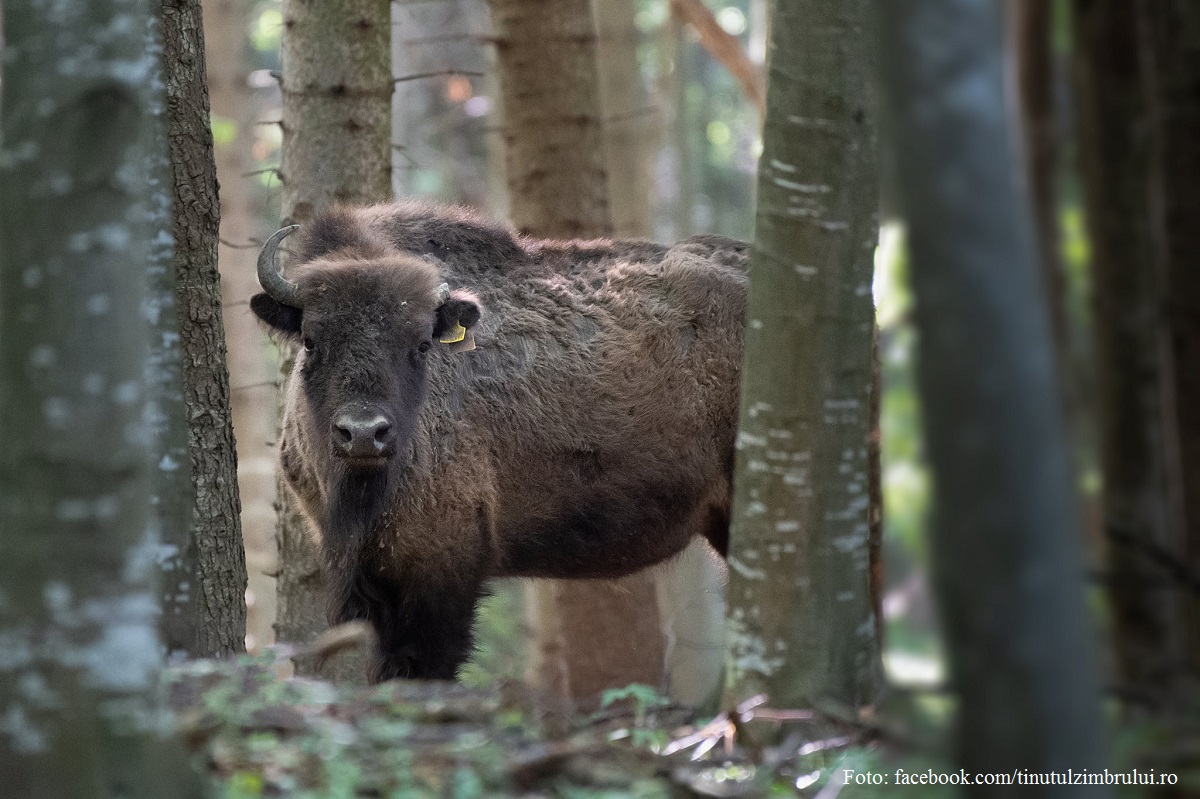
589, 435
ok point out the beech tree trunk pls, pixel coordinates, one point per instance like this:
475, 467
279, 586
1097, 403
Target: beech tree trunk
211, 586
80, 189
252, 373
1006, 538
587, 635
337, 89
801, 609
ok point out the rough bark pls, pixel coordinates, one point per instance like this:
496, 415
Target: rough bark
78, 555
1128, 295
1006, 538
1171, 36
801, 616
337, 89
252, 372
546, 58
212, 582
588, 635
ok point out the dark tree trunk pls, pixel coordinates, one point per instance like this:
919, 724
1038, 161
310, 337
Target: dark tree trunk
252, 370
801, 605
1007, 565
1128, 296
1031, 33
1171, 35
209, 590
80, 189
337, 89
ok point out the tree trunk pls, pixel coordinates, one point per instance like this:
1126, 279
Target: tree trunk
546, 57
1031, 33
802, 625
588, 635
1006, 548
252, 373
80, 186
629, 128
1171, 35
337, 88
214, 574
1128, 295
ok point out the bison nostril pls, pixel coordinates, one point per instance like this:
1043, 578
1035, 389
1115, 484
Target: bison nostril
362, 437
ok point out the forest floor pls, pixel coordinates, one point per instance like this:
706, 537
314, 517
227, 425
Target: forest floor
260, 736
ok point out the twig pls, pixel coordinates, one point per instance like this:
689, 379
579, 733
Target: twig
441, 73
256, 385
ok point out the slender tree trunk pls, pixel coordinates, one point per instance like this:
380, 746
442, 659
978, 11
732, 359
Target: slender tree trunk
1128, 295
214, 574
800, 603
1171, 39
79, 188
587, 635
251, 372
337, 88
630, 126
1007, 565
1031, 33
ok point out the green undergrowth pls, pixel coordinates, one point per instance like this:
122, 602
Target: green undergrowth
256, 735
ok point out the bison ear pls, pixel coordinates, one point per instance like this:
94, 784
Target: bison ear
283, 319
454, 319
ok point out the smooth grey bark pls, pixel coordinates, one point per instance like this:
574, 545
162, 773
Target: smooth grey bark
79, 647
337, 89
1006, 537
210, 588
802, 624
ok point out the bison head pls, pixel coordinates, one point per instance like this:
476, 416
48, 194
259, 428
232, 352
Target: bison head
367, 323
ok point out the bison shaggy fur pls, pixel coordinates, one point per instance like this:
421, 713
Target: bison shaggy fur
589, 433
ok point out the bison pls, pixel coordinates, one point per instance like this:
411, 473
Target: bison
469, 404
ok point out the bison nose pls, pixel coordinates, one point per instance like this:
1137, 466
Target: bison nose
362, 436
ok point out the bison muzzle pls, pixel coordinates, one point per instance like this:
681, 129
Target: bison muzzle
469, 404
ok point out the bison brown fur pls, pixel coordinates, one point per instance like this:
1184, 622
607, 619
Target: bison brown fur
588, 434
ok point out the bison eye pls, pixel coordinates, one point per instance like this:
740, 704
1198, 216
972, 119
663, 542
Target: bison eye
424, 346
308, 344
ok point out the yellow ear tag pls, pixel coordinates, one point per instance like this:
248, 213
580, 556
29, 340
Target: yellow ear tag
456, 334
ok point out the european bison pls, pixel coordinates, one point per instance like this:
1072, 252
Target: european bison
471, 404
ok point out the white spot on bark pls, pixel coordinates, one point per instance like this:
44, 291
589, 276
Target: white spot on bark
57, 412
782, 167
42, 356
98, 304
805, 271
745, 571
745, 439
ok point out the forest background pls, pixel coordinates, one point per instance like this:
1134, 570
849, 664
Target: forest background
683, 96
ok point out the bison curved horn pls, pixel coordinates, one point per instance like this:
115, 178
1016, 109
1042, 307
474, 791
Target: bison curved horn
443, 294
270, 278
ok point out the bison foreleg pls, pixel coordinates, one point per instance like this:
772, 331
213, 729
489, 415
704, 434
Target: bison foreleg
424, 630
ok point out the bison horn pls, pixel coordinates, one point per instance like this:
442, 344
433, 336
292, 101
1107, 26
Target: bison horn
270, 278
443, 294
